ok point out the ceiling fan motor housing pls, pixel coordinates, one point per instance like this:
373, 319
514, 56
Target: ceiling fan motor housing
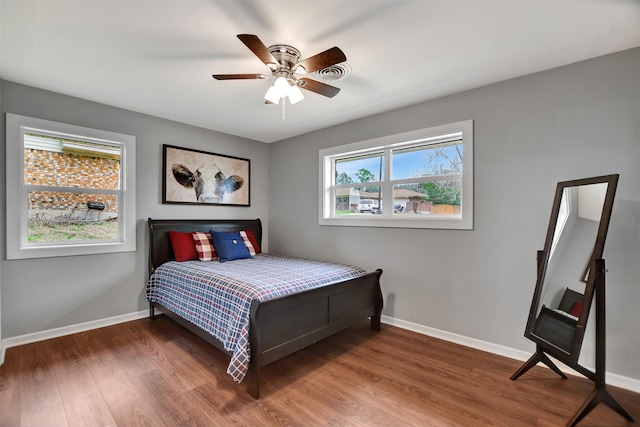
287, 57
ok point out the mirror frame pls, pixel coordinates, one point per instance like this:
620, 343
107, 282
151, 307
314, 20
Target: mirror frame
572, 355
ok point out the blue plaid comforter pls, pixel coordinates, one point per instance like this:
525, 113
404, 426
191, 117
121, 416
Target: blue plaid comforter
217, 296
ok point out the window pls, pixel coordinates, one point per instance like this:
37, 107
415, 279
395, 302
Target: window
418, 179
70, 190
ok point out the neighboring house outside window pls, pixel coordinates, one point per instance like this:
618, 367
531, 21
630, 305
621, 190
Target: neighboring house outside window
70, 190
418, 179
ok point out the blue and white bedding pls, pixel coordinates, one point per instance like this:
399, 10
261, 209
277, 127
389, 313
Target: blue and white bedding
217, 296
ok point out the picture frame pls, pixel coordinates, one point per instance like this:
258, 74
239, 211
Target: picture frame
196, 177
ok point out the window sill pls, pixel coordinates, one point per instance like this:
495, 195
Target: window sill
444, 222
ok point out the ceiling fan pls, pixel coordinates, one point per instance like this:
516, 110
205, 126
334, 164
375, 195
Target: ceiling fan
284, 64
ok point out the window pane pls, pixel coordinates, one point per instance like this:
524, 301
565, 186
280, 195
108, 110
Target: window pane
358, 201
427, 160
356, 169
57, 216
347, 200
428, 198
71, 164
370, 200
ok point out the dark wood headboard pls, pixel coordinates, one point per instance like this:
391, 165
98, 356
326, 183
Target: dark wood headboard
160, 250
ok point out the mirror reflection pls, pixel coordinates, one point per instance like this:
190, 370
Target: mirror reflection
563, 288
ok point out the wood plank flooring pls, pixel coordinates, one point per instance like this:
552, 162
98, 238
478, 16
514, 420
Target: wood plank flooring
155, 373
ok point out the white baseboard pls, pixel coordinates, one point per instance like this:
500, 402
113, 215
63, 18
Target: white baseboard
67, 330
611, 379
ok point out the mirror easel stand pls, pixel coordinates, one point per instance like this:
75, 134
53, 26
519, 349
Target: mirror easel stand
600, 394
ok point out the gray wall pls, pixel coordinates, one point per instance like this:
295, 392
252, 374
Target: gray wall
572, 122
42, 294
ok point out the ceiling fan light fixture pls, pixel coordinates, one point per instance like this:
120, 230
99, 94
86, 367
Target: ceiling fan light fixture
295, 94
282, 86
272, 95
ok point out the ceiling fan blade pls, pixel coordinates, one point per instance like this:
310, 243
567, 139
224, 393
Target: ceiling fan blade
258, 48
323, 60
238, 76
318, 87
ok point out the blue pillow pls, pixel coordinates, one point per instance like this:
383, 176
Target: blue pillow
229, 246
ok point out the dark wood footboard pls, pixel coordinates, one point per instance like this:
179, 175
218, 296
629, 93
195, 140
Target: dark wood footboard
282, 326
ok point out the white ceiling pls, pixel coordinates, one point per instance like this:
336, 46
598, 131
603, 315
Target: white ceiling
157, 57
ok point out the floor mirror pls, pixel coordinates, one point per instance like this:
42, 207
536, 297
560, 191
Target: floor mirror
571, 276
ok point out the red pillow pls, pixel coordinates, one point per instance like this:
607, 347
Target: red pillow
183, 247
204, 246
250, 242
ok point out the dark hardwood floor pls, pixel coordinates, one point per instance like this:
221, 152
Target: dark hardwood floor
155, 373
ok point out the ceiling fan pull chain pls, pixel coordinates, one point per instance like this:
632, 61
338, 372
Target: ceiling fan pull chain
284, 101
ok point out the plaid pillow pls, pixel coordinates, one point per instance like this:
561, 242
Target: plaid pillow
204, 246
248, 238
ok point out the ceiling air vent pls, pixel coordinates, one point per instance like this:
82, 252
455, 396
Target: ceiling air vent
335, 72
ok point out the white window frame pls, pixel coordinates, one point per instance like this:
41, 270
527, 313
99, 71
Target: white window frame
462, 130
16, 190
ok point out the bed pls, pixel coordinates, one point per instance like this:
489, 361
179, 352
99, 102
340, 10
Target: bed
279, 326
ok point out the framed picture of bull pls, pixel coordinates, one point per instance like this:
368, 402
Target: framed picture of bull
200, 178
